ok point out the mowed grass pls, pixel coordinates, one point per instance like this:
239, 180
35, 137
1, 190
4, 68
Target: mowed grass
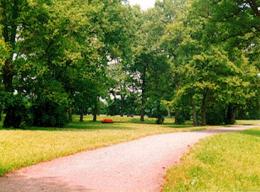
21, 148
225, 162
248, 122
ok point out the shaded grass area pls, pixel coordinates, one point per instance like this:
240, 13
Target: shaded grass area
21, 148
225, 162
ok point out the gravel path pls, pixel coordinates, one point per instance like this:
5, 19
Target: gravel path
136, 166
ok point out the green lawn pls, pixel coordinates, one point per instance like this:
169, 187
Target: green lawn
20, 148
225, 162
248, 122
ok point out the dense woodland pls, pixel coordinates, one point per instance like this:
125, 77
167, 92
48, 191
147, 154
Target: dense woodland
193, 60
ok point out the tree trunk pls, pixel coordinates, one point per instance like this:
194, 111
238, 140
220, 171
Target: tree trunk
12, 118
179, 119
122, 106
81, 118
203, 109
142, 113
94, 117
160, 118
194, 114
81, 115
203, 115
168, 112
1, 109
176, 116
95, 110
143, 89
9, 34
231, 115
70, 114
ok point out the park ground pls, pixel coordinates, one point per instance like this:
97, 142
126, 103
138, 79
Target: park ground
21, 148
224, 162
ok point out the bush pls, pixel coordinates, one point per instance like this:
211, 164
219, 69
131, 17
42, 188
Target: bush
216, 114
17, 111
49, 114
51, 106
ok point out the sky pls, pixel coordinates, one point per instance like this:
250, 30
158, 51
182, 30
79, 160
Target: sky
144, 4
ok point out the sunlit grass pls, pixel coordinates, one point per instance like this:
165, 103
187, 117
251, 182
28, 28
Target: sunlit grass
20, 148
226, 162
248, 122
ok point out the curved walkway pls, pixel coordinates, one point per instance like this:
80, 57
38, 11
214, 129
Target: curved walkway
136, 166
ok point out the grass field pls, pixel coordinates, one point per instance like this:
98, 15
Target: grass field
225, 162
20, 148
248, 122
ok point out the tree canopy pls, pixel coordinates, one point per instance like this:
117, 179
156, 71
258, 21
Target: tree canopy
195, 60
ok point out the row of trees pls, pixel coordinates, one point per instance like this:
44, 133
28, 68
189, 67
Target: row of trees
196, 63
215, 52
194, 59
54, 56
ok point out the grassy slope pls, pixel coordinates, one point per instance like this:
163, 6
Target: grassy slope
20, 148
226, 162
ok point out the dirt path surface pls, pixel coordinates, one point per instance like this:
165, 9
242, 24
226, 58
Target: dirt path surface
136, 166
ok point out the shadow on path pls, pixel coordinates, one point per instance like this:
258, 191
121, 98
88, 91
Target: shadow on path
47, 184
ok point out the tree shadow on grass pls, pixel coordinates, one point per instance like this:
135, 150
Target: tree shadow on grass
252, 132
146, 121
92, 126
89, 125
171, 125
77, 126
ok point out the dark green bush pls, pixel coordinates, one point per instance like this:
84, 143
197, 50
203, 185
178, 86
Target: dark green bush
49, 114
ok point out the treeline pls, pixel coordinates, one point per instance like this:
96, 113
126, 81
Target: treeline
196, 60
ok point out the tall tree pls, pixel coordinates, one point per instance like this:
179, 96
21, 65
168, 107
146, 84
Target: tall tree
150, 61
218, 71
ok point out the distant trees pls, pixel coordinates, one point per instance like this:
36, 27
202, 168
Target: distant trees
56, 59
200, 57
151, 64
211, 55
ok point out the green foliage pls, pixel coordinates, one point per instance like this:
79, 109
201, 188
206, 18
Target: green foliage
201, 56
18, 111
59, 60
211, 61
216, 114
151, 67
49, 109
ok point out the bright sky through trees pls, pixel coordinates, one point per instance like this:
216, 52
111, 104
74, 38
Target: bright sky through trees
144, 4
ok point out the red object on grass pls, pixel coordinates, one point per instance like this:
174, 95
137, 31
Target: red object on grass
107, 121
